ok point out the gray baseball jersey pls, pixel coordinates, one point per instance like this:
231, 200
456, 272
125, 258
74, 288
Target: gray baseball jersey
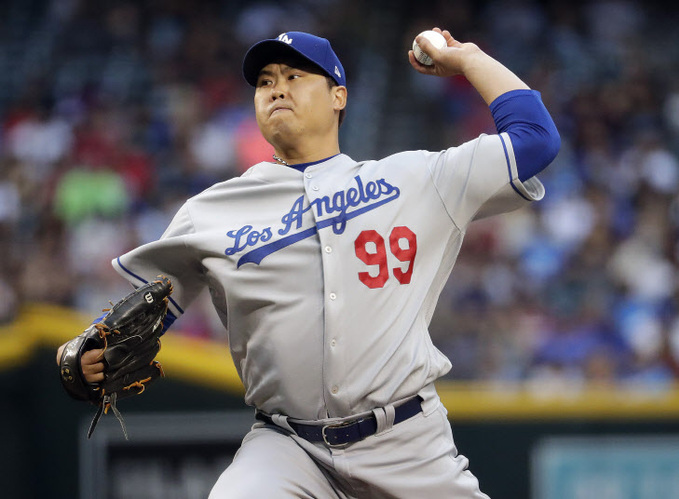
326, 279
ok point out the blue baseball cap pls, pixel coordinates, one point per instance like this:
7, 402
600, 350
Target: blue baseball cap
315, 49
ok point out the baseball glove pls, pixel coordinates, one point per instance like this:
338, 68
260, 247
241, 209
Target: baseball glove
129, 335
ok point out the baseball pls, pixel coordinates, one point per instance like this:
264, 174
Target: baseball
436, 39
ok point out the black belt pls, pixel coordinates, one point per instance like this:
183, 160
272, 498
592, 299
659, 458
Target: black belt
348, 432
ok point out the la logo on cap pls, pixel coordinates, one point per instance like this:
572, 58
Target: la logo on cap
283, 37
337, 72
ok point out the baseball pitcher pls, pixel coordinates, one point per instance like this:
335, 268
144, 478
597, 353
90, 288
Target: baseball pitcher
326, 271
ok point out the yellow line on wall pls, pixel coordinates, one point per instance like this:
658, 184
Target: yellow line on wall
474, 401
202, 362
15, 347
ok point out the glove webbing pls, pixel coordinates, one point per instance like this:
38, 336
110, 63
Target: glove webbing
111, 402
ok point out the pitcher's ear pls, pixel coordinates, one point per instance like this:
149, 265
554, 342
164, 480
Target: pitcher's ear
340, 97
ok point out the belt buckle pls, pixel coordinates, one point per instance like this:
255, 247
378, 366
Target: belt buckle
338, 425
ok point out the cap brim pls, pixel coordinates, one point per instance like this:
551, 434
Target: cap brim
264, 53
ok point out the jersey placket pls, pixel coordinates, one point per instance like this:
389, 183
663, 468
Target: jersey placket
334, 375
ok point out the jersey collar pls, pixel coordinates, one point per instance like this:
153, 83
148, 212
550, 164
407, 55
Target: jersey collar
303, 166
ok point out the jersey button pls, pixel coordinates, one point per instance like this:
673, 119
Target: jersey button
334, 390
333, 296
328, 249
308, 175
333, 343
314, 187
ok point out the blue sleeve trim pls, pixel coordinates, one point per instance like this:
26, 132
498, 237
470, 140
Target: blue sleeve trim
139, 278
535, 139
509, 170
145, 282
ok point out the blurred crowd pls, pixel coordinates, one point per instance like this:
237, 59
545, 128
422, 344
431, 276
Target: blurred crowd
113, 113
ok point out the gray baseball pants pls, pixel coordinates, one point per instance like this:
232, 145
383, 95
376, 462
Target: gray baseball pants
414, 459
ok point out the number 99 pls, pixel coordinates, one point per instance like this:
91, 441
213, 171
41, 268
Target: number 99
371, 250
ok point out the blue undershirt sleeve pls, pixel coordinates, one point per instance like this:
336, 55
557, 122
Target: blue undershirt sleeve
100, 318
168, 321
535, 139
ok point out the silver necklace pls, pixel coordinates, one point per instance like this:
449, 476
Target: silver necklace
281, 161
